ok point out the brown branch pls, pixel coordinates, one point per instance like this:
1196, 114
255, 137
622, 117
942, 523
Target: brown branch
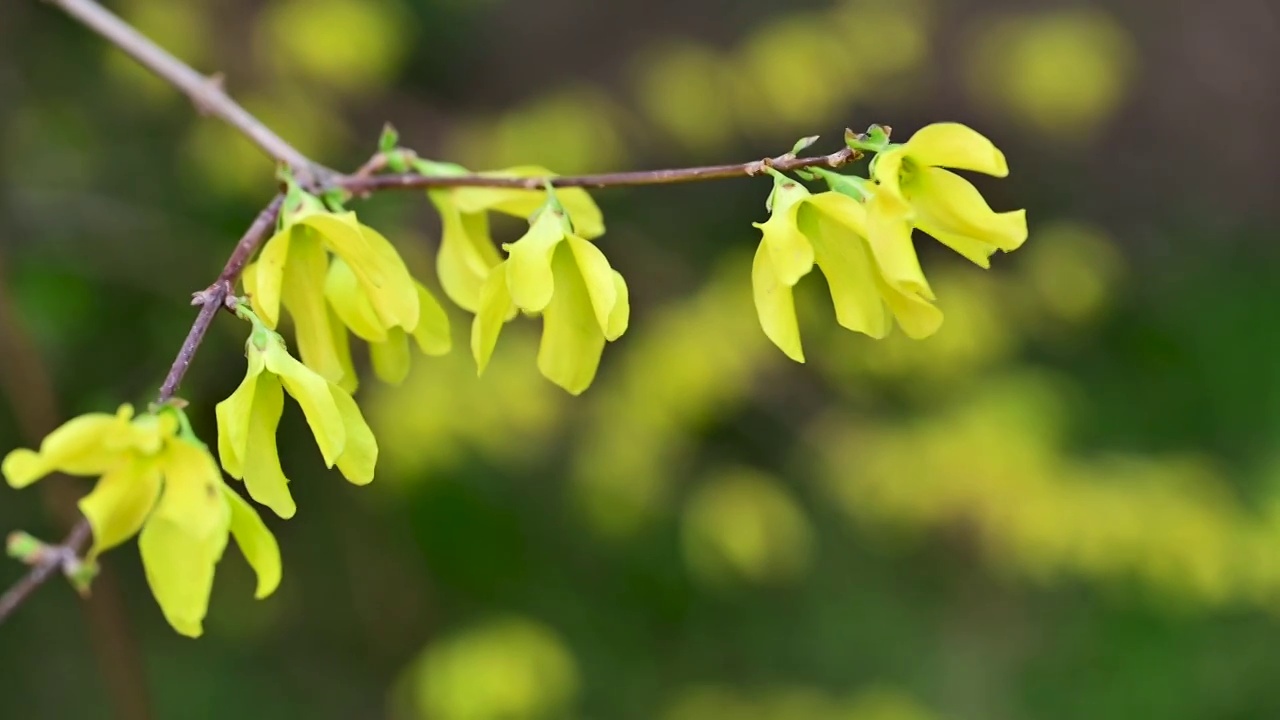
205, 92
363, 182
210, 301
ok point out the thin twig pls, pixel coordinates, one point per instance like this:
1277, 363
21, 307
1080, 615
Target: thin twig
210, 301
363, 182
205, 92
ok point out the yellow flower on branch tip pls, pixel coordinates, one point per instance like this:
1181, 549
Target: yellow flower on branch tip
467, 253
872, 276
292, 268
912, 184
583, 301
165, 487
247, 422
388, 347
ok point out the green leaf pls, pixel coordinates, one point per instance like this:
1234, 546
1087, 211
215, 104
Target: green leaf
389, 139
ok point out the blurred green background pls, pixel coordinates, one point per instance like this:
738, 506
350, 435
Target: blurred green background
1064, 505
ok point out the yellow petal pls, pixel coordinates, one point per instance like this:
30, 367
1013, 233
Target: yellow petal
952, 210
432, 334
466, 252
583, 212
621, 315
233, 418
845, 260
304, 298
89, 444
529, 277
955, 146
312, 395
917, 317
572, 341
390, 359
342, 344
359, 459
120, 502
249, 281
887, 173
791, 255
888, 236
256, 542
375, 262
598, 277
775, 305
263, 476
342, 289
268, 276
494, 309
192, 497
179, 569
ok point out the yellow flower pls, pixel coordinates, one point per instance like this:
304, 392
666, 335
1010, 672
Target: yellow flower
582, 300
162, 485
871, 276
467, 253
913, 186
292, 269
247, 423
388, 346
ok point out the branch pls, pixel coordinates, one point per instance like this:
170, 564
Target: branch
363, 182
210, 300
205, 92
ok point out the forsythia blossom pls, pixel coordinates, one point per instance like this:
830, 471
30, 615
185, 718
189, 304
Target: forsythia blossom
870, 278
373, 293
912, 185
247, 422
467, 252
158, 481
553, 271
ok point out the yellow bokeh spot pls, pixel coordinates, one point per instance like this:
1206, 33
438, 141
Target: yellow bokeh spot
350, 45
742, 525
510, 669
1063, 72
574, 130
679, 88
178, 27
1071, 269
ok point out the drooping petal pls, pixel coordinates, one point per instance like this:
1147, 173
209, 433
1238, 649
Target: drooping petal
587, 220
956, 146
89, 444
775, 305
572, 340
888, 236
312, 395
390, 358
342, 344
432, 334
466, 254
342, 289
268, 277
304, 298
256, 542
179, 569
192, 497
233, 418
263, 476
791, 255
598, 278
887, 172
360, 457
952, 210
529, 277
846, 261
120, 502
494, 310
621, 315
375, 262
917, 317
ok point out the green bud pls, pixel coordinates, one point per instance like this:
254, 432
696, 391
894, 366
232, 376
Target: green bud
389, 139
803, 143
431, 168
25, 548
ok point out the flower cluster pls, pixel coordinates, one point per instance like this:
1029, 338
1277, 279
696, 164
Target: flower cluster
858, 233
333, 277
